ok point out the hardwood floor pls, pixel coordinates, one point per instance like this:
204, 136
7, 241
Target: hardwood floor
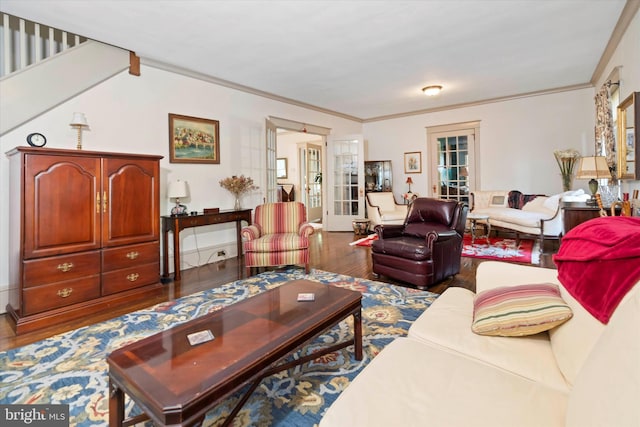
330, 251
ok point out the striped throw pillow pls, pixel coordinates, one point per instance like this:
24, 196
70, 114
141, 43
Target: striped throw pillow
512, 311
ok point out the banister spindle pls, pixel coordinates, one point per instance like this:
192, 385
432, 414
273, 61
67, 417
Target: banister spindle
52, 45
38, 42
7, 44
23, 45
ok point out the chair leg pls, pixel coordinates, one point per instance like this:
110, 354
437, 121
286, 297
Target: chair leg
248, 271
306, 268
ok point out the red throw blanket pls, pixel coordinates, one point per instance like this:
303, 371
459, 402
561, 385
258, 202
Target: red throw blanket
599, 262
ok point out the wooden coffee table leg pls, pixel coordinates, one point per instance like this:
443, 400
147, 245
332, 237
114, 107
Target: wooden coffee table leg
116, 405
357, 332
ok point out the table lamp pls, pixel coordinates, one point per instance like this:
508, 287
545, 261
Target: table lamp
593, 168
79, 122
409, 182
178, 189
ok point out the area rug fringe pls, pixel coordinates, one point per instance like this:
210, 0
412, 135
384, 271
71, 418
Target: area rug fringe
71, 368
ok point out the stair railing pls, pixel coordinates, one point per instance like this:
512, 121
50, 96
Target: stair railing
24, 43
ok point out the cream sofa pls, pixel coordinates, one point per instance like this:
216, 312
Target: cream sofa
581, 373
539, 217
383, 209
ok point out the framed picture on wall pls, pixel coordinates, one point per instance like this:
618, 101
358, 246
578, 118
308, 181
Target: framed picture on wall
413, 162
193, 140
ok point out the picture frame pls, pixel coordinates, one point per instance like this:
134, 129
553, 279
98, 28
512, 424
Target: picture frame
282, 168
413, 162
193, 139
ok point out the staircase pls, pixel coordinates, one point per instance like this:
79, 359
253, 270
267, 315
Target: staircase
42, 67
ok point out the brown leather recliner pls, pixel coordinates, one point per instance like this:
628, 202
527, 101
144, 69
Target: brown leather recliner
427, 248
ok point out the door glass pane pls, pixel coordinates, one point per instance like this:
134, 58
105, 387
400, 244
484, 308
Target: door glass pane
346, 177
314, 178
453, 167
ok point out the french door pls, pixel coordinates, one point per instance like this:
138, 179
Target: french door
453, 164
345, 181
271, 150
310, 156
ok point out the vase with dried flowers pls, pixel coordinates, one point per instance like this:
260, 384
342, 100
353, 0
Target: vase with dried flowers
238, 185
567, 160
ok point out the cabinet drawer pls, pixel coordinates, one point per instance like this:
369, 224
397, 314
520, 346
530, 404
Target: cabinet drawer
129, 278
60, 268
47, 297
130, 256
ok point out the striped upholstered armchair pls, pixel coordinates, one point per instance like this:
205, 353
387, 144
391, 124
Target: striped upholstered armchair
279, 235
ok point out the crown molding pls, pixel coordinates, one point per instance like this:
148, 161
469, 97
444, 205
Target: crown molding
247, 89
626, 16
481, 102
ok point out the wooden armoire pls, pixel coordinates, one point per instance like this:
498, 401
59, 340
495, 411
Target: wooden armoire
84, 233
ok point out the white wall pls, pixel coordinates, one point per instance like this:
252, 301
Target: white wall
130, 114
627, 55
517, 140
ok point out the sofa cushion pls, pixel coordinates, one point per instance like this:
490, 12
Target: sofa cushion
535, 205
410, 248
552, 202
410, 383
279, 242
393, 215
383, 200
512, 311
498, 201
572, 341
607, 389
447, 323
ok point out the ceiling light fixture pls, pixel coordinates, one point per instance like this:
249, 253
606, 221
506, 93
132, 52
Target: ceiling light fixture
432, 90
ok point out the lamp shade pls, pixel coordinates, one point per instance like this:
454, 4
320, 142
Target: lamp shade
79, 120
594, 167
177, 189
409, 180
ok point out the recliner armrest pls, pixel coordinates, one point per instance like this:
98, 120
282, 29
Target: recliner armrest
386, 231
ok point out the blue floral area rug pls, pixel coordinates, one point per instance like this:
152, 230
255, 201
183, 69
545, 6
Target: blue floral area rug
71, 368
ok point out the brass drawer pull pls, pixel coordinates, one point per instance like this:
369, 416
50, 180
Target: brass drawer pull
133, 277
63, 293
67, 266
133, 255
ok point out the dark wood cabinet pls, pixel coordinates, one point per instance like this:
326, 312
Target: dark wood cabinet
575, 213
85, 233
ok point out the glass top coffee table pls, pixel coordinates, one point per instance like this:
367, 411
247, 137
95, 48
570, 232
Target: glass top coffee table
177, 383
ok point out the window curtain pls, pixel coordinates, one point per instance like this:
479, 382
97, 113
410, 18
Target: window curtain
605, 134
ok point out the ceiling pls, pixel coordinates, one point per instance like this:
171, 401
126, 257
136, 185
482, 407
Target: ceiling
362, 59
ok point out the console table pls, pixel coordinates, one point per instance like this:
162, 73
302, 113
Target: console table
177, 223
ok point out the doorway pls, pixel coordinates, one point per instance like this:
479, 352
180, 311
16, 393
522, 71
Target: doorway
302, 154
454, 162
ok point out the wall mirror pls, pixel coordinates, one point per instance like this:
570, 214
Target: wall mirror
627, 144
281, 168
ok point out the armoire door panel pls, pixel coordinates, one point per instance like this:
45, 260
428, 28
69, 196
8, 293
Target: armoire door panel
132, 213
60, 205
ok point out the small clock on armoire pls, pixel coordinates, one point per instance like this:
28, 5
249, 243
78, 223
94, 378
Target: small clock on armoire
36, 139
